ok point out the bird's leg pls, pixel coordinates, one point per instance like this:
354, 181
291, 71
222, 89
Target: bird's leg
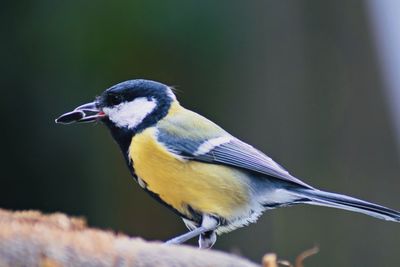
189, 235
208, 224
207, 239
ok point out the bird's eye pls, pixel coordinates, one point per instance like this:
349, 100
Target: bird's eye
114, 99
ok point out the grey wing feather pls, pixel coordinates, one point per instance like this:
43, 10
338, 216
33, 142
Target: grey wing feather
239, 154
184, 134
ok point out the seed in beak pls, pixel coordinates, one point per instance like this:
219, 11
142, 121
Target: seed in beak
70, 117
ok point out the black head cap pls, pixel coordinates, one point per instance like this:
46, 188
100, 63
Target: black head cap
129, 90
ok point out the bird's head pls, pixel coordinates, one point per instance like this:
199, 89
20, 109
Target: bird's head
130, 106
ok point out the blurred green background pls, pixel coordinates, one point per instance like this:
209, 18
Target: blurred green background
300, 80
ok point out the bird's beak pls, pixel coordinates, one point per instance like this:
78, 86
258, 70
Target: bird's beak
85, 113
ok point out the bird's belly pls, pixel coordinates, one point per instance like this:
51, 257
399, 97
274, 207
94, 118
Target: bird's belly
185, 184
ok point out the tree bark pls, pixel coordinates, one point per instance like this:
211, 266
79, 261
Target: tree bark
30, 238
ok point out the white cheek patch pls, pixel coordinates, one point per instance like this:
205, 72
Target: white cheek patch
131, 114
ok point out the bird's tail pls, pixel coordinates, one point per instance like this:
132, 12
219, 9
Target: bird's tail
333, 200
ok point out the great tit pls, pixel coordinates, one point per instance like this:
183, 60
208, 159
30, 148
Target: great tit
212, 180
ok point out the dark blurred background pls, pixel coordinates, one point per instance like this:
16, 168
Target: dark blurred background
309, 82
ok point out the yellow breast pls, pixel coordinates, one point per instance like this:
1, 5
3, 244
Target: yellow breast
207, 188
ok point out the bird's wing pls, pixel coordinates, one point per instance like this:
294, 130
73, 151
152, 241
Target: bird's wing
196, 138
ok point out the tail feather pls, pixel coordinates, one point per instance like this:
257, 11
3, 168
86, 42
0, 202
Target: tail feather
322, 198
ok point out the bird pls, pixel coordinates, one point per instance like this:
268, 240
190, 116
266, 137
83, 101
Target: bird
214, 181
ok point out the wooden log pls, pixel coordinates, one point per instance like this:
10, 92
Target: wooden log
30, 238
